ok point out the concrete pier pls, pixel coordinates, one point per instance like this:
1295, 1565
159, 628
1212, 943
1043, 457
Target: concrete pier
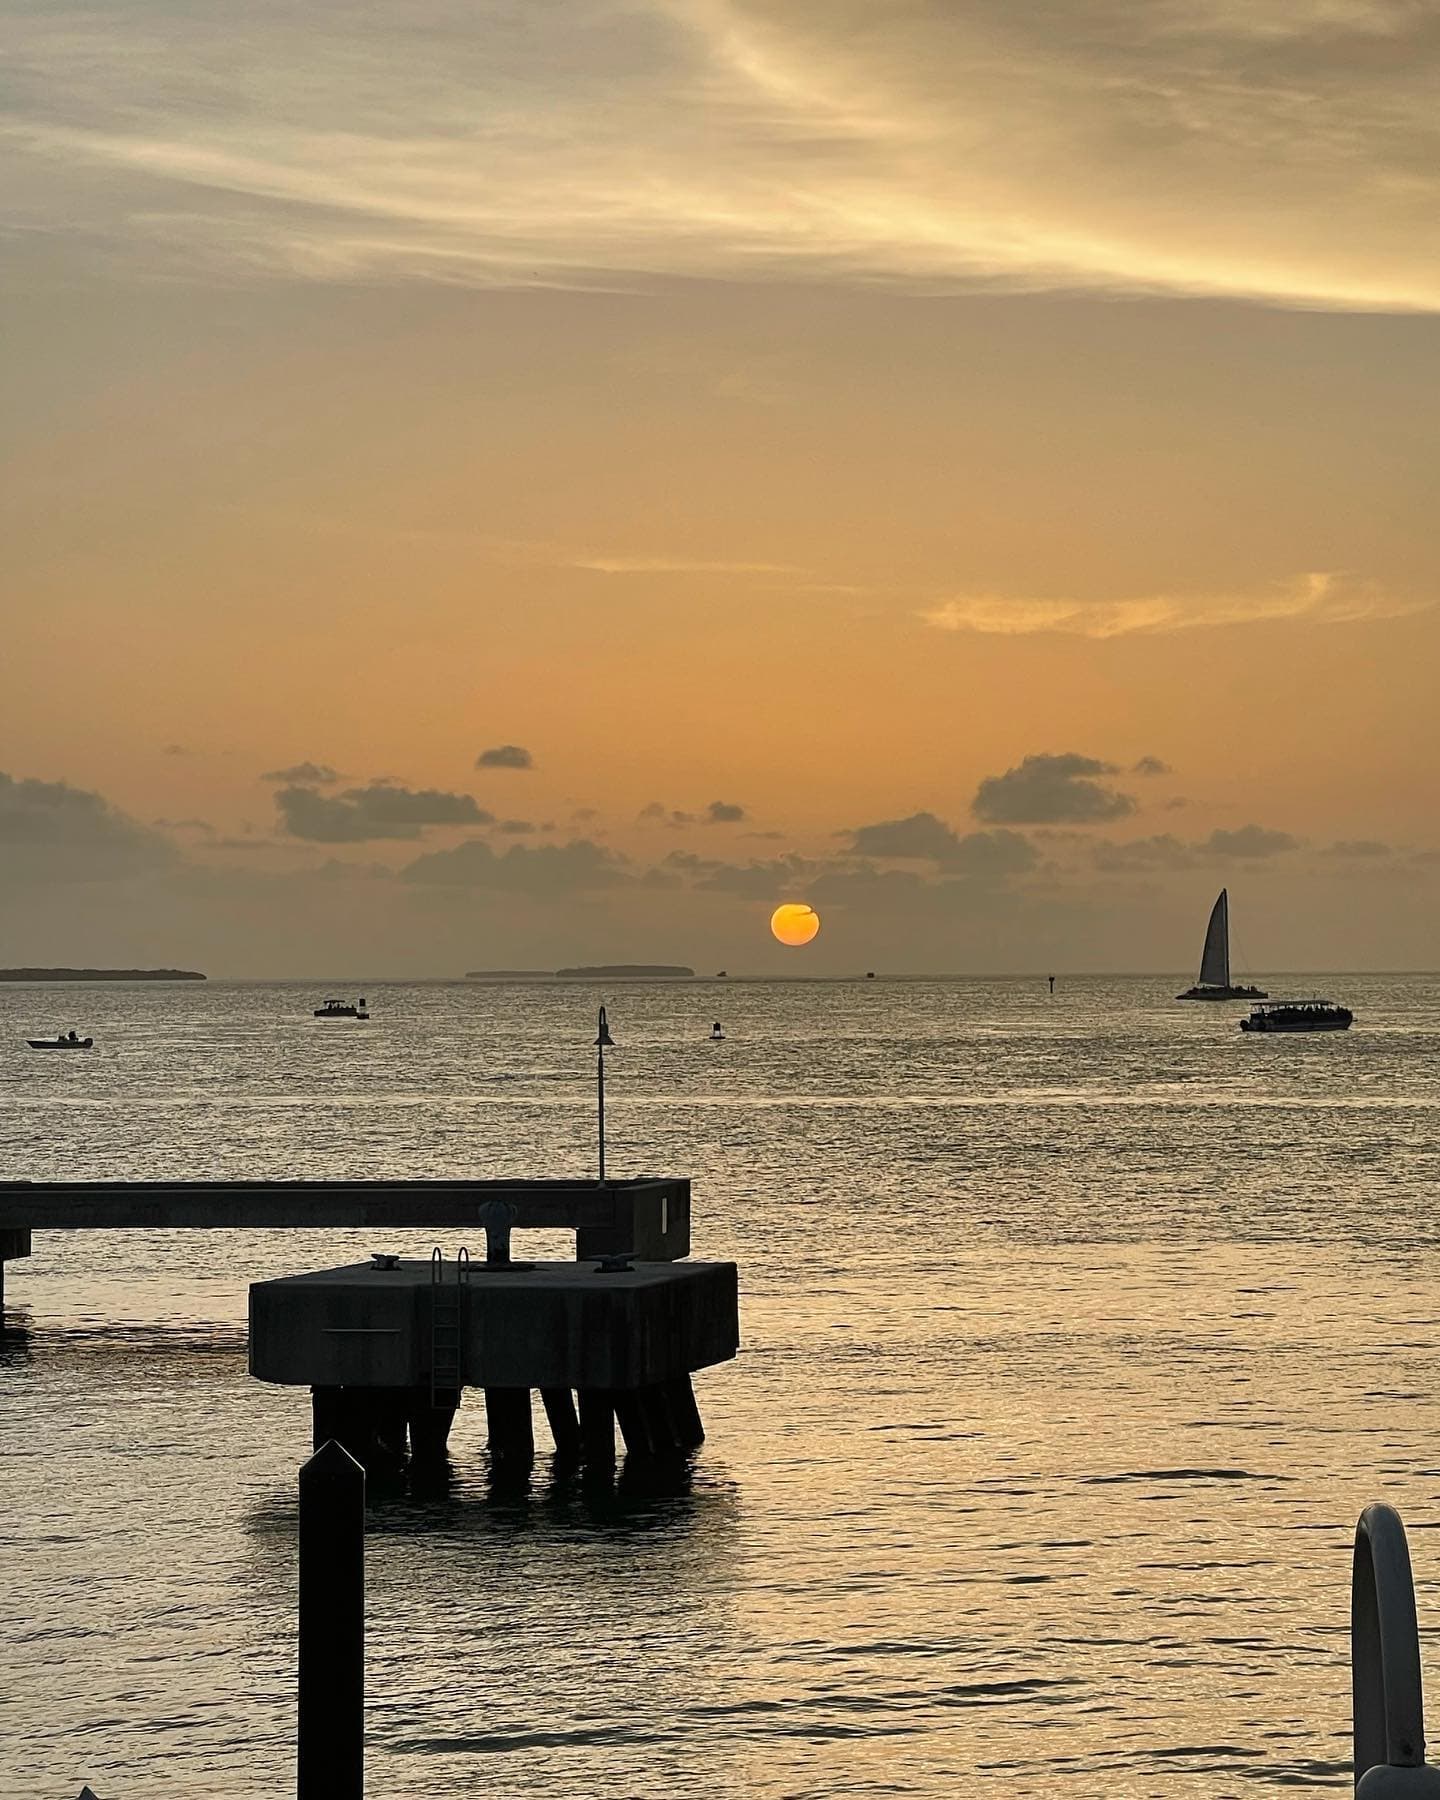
648, 1216
14, 1241
370, 1339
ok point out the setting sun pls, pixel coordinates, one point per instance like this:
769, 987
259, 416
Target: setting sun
794, 924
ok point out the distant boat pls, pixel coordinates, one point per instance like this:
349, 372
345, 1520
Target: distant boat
717, 1035
67, 1041
1298, 1015
1214, 982
342, 1009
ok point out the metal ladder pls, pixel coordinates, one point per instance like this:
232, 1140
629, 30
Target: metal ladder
447, 1320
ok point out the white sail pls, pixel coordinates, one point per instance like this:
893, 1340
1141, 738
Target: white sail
1215, 963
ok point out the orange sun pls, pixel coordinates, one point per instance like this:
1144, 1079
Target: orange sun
794, 924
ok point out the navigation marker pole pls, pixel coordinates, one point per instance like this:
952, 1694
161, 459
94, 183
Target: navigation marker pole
603, 1042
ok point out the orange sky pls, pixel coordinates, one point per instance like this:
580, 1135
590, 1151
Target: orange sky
762, 427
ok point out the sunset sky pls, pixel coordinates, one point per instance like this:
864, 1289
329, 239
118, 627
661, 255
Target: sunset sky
506, 484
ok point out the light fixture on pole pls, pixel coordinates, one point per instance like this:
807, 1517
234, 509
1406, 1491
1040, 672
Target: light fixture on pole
603, 1042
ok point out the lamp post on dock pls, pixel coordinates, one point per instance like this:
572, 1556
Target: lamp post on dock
603, 1042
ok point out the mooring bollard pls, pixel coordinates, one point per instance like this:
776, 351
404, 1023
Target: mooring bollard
1389, 1703
332, 1626
498, 1217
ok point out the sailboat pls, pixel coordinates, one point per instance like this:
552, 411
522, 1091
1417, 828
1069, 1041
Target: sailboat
1214, 982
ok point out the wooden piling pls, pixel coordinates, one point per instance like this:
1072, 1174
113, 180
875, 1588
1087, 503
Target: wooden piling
331, 1762
507, 1413
564, 1425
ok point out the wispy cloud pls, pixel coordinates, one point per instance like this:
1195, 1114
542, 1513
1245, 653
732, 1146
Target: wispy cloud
1316, 599
678, 565
1277, 151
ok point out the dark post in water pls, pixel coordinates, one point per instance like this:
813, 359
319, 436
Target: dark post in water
332, 1626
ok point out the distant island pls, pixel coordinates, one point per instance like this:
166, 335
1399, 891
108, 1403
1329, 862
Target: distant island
100, 975
629, 972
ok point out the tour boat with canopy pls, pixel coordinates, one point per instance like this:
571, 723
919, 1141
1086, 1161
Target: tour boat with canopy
1298, 1015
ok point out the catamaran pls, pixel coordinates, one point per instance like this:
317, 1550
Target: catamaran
1214, 982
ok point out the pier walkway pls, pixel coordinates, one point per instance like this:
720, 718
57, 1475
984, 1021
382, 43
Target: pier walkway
649, 1216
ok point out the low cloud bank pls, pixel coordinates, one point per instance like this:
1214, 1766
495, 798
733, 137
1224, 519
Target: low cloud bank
52, 831
363, 815
548, 871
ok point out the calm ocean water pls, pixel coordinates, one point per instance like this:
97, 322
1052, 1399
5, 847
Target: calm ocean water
1076, 1333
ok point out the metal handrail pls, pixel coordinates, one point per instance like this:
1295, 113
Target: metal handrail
1389, 1704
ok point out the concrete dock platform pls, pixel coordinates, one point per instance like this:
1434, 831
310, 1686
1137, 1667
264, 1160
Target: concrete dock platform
388, 1346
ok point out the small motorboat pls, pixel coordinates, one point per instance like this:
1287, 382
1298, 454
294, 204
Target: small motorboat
68, 1040
342, 1009
717, 1035
1298, 1015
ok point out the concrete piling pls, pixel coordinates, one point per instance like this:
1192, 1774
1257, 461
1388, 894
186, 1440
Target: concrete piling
429, 1417
13, 1242
597, 1425
331, 1764
377, 1425
659, 1426
326, 1416
561, 1417
389, 1423
370, 1422
684, 1413
507, 1415
630, 1417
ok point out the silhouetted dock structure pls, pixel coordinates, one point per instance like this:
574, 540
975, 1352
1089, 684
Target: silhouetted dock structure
648, 1216
388, 1347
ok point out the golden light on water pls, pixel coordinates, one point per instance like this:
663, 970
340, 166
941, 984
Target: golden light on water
794, 923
